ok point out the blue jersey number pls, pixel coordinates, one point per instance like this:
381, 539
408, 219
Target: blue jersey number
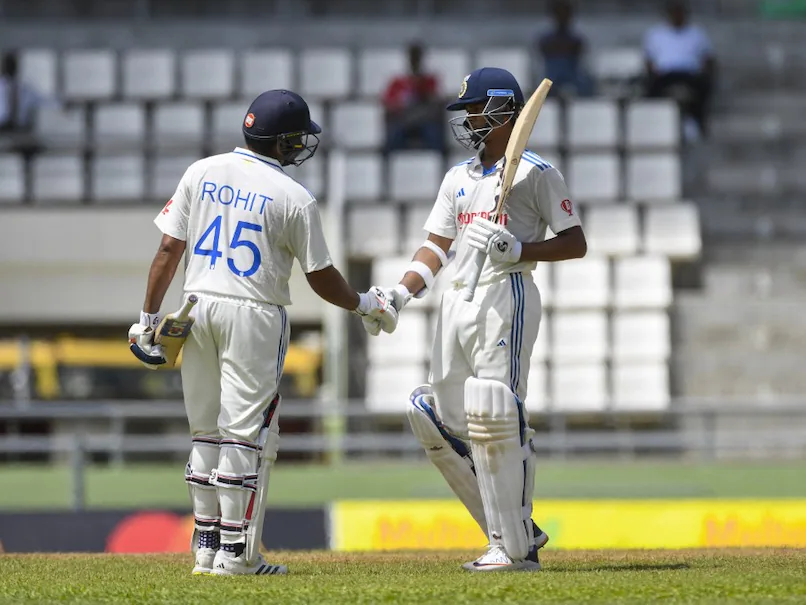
214, 231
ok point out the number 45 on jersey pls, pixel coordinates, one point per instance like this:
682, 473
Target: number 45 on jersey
213, 232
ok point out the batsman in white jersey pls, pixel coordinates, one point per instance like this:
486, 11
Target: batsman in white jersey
470, 418
240, 221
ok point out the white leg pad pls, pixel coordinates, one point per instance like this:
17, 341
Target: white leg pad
203, 459
449, 454
500, 451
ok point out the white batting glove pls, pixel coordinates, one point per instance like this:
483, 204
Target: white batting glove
376, 305
141, 341
494, 240
399, 296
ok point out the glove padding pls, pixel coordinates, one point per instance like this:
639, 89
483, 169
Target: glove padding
376, 305
494, 240
399, 297
141, 341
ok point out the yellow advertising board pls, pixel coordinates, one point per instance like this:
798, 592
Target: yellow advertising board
575, 524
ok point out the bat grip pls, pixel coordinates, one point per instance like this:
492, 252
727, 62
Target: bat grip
473, 278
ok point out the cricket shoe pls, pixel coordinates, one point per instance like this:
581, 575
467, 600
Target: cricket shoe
204, 561
228, 564
541, 539
497, 559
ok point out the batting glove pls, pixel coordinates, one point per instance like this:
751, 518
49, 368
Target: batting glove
494, 240
399, 295
141, 341
375, 304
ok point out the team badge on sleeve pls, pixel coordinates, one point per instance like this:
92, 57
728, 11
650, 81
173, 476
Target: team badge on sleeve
568, 207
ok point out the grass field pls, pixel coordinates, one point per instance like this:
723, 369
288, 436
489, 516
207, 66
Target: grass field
292, 485
724, 576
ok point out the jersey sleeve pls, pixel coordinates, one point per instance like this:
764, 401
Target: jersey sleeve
173, 218
306, 238
442, 220
554, 201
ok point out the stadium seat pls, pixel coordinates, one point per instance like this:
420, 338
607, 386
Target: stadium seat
673, 230
389, 387
58, 178
409, 343
373, 230
594, 177
653, 124
178, 125
543, 279
62, 128
416, 216
39, 68
227, 121
579, 337
582, 283
641, 387
514, 59
641, 336
654, 177
579, 387
543, 343
548, 132
165, 173
88, 75
377, 67
618, 63
310, 175
117, 178
643, 282
265, 69
358, 125
119, 126
149, 74
207, 74
593, 124
414, 176
537, 388
363, 180
612, 230
326, 73
12, 178
449, 66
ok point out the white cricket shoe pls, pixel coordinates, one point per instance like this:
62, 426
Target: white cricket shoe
227, 564
541, 540
497, 559
204, 561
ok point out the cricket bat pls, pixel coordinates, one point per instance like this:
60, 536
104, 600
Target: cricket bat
173, 331
512, 159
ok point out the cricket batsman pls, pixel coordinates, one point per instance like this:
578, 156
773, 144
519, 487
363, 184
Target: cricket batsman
470, 419
240, 221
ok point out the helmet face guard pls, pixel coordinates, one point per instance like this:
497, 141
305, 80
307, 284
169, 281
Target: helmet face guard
297, 147
499, 110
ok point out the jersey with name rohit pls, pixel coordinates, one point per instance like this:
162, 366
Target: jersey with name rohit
244, 220
539, 199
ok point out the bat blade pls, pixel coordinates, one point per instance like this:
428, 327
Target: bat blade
173, 331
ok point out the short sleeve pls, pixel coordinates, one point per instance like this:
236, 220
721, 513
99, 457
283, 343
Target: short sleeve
704, 43
554, 201
442, 220
306, 238
173, 218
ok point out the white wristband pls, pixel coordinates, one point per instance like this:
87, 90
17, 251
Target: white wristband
149, 319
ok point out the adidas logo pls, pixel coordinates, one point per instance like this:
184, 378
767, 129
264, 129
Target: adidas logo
461, 192
502, 343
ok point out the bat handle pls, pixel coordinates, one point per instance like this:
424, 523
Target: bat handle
189, 304
473, 278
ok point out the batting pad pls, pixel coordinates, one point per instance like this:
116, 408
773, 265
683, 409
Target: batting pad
449, 454
494, 427
203, 458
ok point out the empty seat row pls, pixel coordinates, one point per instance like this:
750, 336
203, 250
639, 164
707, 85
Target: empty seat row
587, 388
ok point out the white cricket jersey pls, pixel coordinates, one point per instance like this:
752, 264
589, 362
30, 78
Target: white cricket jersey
244, 220
539, 199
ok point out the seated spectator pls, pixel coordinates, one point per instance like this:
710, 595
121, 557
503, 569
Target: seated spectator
414, 116
563, 51
680, 65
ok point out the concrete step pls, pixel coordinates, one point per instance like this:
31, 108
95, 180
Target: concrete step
759, 282
753, 217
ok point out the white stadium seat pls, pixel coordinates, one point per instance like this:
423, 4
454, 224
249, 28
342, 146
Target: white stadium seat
58, 178
449, 66
642, 387
653, 124
579, 388
310, 175
149, 74
62, 127
208, 74
537, 399
377, 67
178, 125
414, 176
226, 124
165, 173
618, 63
12, 178
117, 178
641, 336
409, 343
612, 230
389, 387
39, 68
363, 179
416, 216
543, 279
325, 73
579, 337
582, 283
373, 230
119, 125
265, 69
358, 125
593, 124
654, 177
643, 282
547, 133
673, 230
89, 75
594, 177
513, 59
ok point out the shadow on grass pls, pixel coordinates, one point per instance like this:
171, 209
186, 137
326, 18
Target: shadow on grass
625, 567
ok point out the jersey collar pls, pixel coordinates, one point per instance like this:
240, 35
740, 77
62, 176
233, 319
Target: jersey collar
477, 168
261, 158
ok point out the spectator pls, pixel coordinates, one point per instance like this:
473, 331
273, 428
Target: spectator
18, 100
413, 113
680, 65
563, 51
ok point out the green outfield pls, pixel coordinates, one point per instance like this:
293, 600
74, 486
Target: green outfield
49, 487
616, 577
